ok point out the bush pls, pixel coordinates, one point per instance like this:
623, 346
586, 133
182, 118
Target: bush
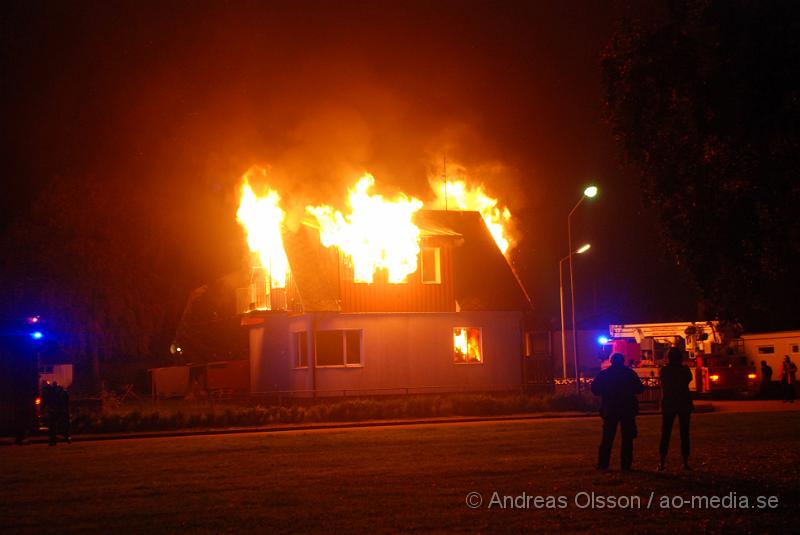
342, 410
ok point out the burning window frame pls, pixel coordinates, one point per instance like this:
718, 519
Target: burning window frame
462, 358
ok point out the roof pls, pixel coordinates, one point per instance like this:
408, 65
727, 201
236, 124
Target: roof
314, 268
484, 280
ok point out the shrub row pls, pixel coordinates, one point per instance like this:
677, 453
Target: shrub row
332, 411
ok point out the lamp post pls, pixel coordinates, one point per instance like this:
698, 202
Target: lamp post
580, 250
589, 192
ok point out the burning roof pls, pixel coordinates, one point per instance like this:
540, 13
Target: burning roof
379, 235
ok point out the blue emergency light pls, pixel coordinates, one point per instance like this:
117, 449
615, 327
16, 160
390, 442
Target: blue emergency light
602, 340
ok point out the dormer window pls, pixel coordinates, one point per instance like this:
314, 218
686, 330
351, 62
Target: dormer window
430, 259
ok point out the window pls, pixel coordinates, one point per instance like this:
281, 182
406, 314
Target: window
431, 265
794, 348
766, 350
300, 349
352, 347
467, 347
338, 348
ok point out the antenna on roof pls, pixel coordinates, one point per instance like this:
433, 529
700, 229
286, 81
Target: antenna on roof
445, 181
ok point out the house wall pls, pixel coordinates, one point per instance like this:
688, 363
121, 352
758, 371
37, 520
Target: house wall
270, 337
783, 343
399, 351
60, 373
410, 296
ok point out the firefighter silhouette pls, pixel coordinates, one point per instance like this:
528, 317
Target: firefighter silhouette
676, 402
617, 387
55, 403
788, 378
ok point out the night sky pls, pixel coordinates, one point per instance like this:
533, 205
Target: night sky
172, 102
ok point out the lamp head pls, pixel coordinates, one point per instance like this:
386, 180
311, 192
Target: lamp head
590, 192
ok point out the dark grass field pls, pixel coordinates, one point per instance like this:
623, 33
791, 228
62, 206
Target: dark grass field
411, 478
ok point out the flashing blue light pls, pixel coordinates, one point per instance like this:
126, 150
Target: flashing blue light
37, 335
602, 340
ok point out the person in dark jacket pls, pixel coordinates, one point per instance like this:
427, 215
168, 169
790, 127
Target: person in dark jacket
788, 378
55, 401
766, 379
676, 401
617, 387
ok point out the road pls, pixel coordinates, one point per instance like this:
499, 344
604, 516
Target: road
414, 477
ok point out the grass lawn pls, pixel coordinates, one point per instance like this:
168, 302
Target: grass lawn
403, 478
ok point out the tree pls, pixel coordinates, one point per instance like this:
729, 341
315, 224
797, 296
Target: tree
88, 258
706, 105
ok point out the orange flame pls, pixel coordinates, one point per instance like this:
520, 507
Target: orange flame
459, 196
376, 234
262, 219
467, 346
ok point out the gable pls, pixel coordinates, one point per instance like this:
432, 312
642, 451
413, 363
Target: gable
483, 277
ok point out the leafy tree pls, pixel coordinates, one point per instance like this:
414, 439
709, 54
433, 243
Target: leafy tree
706, 105
89, 260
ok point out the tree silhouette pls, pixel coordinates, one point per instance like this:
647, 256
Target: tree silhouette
91, 262
706, 105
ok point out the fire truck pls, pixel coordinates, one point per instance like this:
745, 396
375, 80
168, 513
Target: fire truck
714, 349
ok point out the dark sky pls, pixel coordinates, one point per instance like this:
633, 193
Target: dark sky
173, 101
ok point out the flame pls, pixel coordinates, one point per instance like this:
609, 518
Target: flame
459, 196
467, 345
377, 234
262, 219
460, 342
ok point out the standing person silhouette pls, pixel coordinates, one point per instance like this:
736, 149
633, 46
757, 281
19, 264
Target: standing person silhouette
766, 379
617, 387
788, 377
676, 401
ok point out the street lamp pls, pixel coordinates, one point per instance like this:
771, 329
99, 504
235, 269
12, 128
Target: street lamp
589, 192
580, 250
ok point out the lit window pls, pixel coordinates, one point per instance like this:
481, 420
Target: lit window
338, 348
766, 350
431, 265
301, 349
467, 347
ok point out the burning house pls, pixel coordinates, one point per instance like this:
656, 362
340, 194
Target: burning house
387, 298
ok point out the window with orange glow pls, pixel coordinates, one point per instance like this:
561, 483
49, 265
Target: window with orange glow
431, 268
467, 346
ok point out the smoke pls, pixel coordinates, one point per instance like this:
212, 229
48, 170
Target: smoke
333, 145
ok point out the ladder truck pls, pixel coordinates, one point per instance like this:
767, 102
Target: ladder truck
714, 353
